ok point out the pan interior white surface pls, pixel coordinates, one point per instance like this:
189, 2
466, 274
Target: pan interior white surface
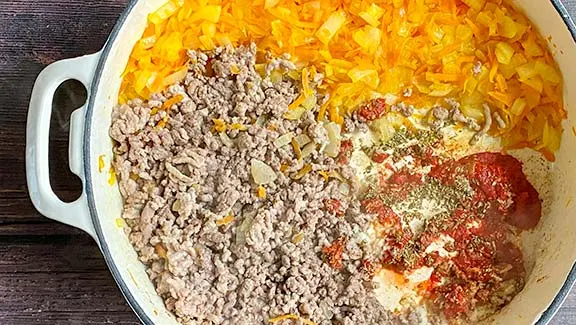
550, 246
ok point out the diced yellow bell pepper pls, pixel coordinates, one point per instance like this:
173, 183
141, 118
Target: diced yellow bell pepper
367, 76
163, 12
372, 15
504, 52
270, 3
547, 72
508, 27
518, 106
331, 26
368, 38
483, 48
209, 13
475, 4
532, 48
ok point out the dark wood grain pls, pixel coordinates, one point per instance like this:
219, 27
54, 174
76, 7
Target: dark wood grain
51, 273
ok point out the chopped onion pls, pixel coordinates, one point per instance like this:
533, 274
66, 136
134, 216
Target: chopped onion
261, 172
344, 188
261, 120
308, 149
295, 114
302, 140
333, 130
283, 140
177, 205
333, 147
244, 228
309, 102
276, 76
331, 150
383, 128
226, 140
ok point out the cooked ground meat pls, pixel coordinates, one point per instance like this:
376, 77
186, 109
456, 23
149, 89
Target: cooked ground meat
216, 249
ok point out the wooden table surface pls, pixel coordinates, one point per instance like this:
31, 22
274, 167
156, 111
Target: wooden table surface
51, 273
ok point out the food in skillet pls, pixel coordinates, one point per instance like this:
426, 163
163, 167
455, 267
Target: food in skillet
334, 162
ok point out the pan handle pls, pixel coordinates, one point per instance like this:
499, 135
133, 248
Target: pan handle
75, 213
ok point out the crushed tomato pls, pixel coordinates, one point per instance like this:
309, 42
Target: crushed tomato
372, 110
334, 206
334, 252
479, 259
